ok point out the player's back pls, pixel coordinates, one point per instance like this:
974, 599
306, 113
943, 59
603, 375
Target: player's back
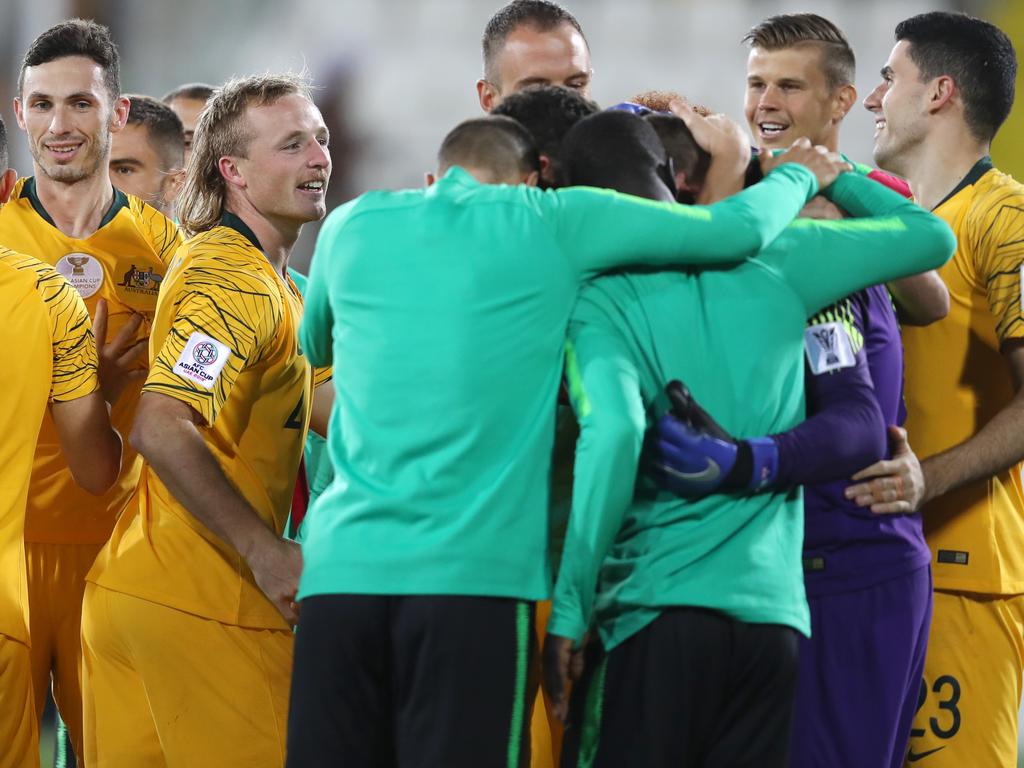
445, 406
734, 337
957, 380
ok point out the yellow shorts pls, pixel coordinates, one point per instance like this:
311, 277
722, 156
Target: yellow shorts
56, 581
19, 726
163, 687
972, 683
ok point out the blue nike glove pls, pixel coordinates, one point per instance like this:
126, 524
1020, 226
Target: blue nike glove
691, 455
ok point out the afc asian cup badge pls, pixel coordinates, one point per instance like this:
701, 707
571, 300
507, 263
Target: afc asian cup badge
204, 353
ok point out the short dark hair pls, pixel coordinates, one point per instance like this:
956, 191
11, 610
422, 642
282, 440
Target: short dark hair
163, 127
542, 15
618, 150
76, 37
5, 157
192, 91
789, 30
498, 144
687, 156
976, 54
547, 112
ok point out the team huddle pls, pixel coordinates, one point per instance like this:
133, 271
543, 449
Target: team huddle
644, 446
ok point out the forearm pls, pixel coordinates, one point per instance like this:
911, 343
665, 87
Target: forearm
178, 454
920, 299
602, 490
810, 454
604, 230
995, 448
606, 399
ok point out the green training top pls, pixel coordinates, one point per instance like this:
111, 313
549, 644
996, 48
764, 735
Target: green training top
734, 336
444, 312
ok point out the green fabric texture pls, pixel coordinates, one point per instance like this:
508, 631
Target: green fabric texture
443, 312
319, 471
734, 336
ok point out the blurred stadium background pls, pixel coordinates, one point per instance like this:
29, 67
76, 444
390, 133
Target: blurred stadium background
395, 75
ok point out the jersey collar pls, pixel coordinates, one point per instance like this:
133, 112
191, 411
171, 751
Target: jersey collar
230, 220
28, 191
980, 168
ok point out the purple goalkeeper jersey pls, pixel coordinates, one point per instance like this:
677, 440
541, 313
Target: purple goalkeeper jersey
847, 547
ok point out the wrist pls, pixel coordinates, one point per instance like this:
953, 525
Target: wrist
756, 467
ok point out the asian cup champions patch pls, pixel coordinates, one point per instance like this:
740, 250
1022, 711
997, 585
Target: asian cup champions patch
83, 271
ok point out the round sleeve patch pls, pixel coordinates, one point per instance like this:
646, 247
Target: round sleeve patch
202, 359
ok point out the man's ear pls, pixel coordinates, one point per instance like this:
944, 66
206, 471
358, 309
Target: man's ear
175, 181
487, 94
940, 92
119, 114
7, 181
844, 101
429, 179
228, 167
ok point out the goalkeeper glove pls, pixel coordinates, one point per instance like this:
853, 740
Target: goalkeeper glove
692, 456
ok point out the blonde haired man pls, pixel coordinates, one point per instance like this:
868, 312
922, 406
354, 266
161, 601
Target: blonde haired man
187, 619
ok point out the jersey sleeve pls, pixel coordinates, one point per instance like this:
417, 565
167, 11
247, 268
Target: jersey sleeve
604, 387
75, 364
321, 375
601, 230
822, 261
222, 324
994, 232
840, 401
162, 233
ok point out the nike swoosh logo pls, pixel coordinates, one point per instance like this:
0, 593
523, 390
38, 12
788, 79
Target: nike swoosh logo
710, 472
913, 757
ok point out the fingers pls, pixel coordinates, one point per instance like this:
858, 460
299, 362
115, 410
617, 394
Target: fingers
99, 324
125, 337
892, 508
882, 468
135, 352
898, 440
289, 610
883, 491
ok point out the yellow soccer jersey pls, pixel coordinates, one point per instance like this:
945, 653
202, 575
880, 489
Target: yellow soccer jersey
224, 341
957, 380
46, 334
123, 262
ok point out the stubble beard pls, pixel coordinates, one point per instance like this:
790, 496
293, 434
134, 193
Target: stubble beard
96, 157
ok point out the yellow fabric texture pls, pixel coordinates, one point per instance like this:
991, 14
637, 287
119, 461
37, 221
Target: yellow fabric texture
256, 407
972, 680
545, 729
19, 731
123, 262
45, 331
165, 688
56, 581
957, 380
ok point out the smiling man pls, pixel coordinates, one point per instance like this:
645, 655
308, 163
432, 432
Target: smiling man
946, 89
187, 622
113, 249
